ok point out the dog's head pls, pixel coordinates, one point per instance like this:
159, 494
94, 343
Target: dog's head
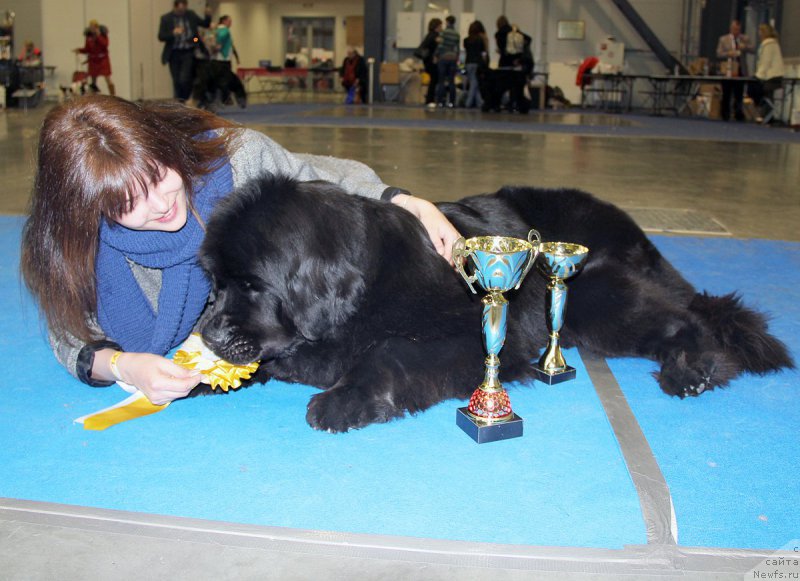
284, 262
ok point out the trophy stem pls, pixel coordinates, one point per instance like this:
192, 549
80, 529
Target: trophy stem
490, 403
491, 379
552, 367
552, 360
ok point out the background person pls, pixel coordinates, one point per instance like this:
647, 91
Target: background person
731, 49
476, 49
354, 77
109, 251
447, 62
225, 78
30, 56
427, 50
500, 37
769, 68
178, 31
96, 49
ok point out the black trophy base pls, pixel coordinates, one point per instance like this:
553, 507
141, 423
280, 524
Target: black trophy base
483, 433
554, 378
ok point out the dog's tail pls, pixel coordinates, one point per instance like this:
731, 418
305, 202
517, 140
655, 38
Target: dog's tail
742, 333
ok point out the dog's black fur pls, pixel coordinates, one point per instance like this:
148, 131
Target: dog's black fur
348, 294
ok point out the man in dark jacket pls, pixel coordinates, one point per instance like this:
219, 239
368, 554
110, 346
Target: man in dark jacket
178, 32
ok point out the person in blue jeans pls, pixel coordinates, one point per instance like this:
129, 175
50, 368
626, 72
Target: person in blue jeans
476, 47
447, 58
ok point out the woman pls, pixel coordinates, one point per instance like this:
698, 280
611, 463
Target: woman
354, 77
96, 47
121, 193
769, 71
500, 37
428, 47
476, 47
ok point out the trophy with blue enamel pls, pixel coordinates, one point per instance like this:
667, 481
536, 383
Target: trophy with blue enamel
557, 262
497, 264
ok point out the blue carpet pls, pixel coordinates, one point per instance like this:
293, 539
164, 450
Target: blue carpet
730, 457
249, 457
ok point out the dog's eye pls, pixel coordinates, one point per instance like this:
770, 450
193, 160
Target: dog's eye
249, 285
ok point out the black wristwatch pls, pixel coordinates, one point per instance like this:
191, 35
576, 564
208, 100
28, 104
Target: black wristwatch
85, 362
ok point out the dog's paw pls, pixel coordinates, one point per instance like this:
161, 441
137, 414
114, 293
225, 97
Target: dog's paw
685, 377
344, 408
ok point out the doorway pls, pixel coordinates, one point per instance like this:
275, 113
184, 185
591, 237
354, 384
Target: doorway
308, 41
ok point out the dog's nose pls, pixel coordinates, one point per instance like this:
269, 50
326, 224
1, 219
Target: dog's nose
213, 331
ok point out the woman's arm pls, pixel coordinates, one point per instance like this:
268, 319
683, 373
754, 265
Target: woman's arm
257, 154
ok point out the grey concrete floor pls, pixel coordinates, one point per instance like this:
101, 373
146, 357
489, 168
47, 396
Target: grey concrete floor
749, 186
745, 177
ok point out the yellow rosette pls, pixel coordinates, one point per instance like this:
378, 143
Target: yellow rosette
217, 373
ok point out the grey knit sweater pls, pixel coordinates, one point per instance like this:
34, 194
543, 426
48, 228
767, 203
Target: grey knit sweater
253, 154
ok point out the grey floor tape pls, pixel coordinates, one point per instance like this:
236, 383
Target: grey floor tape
40, 540
654, 496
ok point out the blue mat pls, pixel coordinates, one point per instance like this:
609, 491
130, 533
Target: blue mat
730, 457
249, 457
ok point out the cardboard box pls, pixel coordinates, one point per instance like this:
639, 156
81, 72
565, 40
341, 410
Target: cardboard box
710, 96
390, 73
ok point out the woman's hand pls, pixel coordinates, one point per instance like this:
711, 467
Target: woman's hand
157, 377
441, 232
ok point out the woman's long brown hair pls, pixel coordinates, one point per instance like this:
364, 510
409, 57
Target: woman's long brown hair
94, 153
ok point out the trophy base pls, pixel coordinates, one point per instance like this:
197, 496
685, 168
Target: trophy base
483, 433
554, 378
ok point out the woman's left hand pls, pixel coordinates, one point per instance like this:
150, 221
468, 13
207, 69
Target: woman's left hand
441, 232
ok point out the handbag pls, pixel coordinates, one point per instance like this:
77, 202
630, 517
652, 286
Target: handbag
422, 52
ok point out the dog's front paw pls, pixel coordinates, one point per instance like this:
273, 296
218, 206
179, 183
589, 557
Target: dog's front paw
344, 408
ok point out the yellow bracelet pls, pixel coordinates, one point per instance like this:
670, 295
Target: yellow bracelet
112, 363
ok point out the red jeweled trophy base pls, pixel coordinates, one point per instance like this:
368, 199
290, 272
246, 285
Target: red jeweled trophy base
489, 406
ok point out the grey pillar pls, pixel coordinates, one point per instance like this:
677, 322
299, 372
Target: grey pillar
375, 37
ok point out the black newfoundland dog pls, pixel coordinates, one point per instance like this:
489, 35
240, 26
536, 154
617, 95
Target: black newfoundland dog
348, 295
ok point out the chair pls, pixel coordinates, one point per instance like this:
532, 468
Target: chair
390, 79
773, 104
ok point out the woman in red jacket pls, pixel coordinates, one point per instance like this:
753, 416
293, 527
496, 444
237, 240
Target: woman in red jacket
96, 47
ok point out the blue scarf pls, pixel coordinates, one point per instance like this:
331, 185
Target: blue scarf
123, 311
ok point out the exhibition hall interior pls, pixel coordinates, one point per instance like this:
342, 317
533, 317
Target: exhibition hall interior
681, 118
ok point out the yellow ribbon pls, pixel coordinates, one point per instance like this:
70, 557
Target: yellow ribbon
136, 406
220, 374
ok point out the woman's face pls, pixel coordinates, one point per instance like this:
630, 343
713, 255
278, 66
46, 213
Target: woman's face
163, 207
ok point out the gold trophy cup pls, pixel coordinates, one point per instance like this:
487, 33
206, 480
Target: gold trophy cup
498, 264
557, 262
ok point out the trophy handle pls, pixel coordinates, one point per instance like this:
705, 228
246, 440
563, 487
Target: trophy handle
460, 255
535, 252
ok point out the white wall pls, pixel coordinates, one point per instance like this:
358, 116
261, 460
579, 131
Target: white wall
63, 22
250, 30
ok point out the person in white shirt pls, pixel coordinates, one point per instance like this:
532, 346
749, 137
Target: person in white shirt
769, 69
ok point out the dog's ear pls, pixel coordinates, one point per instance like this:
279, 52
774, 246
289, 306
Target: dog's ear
323, 293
